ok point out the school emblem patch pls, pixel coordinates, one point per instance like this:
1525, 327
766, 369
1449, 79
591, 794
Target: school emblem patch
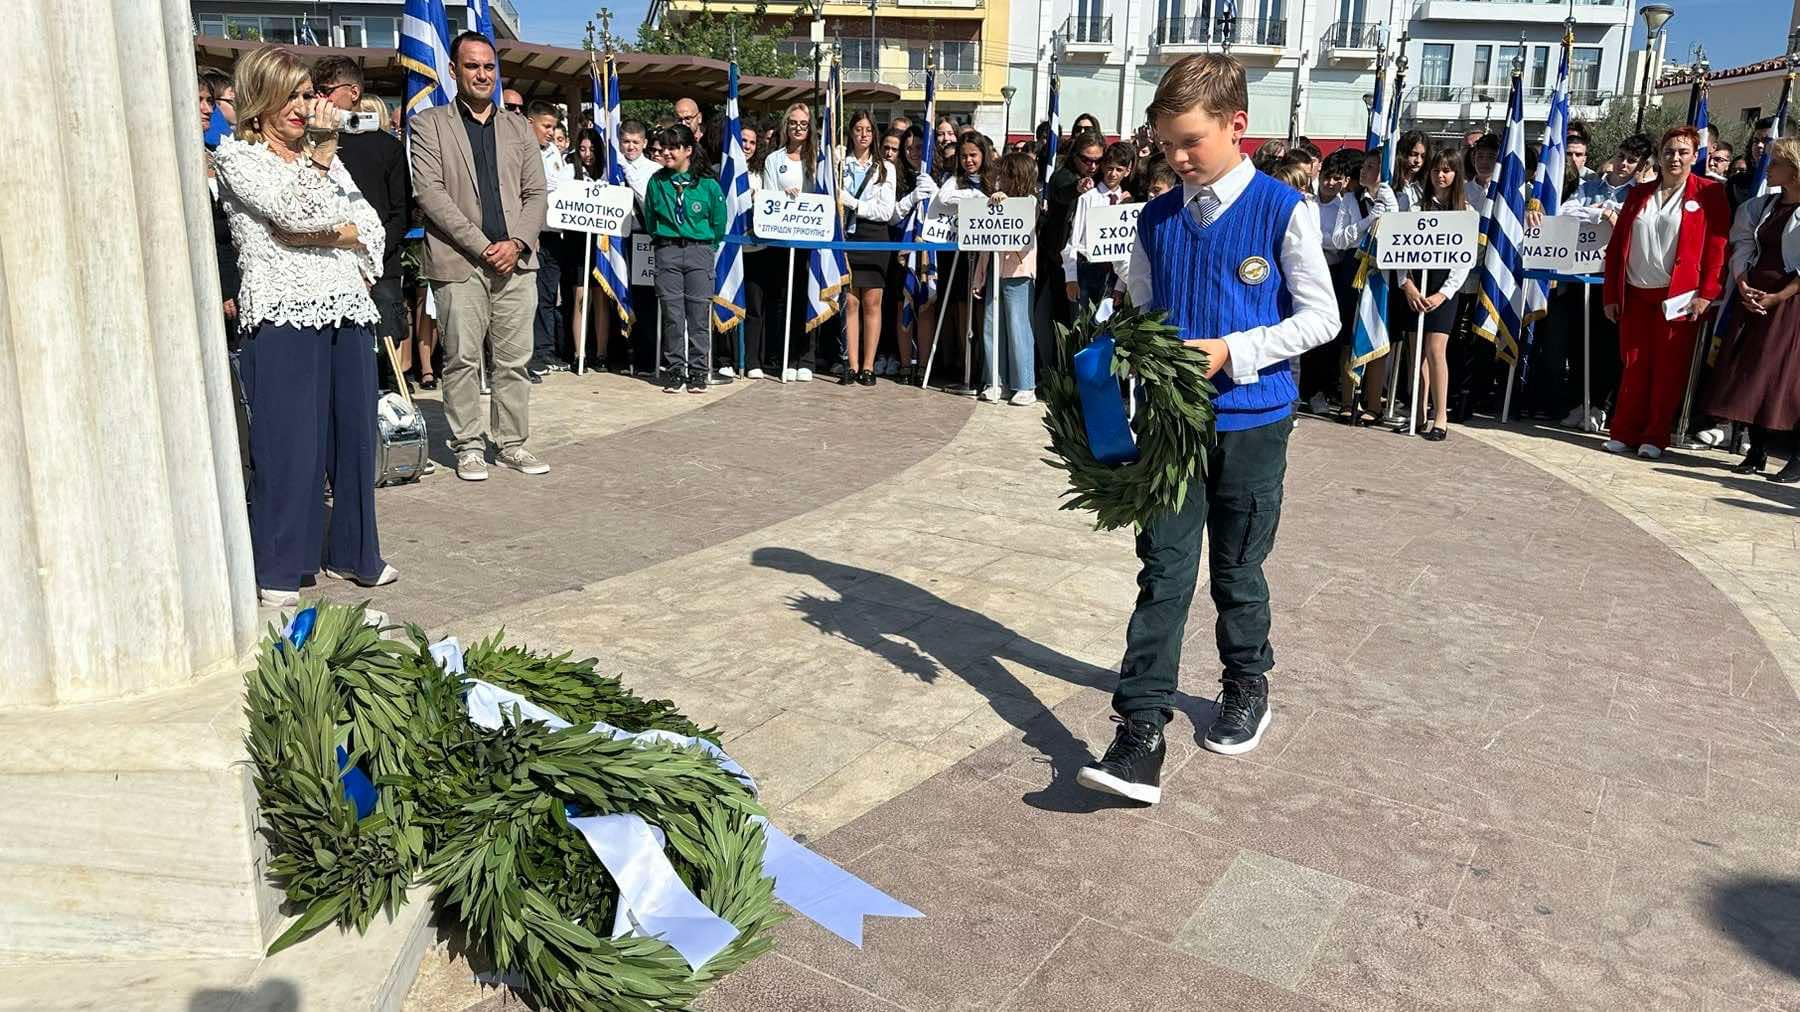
1253, 271
695, 207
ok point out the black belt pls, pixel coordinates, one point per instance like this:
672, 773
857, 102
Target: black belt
661, 241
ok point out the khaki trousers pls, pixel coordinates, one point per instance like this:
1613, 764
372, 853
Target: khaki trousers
497, 309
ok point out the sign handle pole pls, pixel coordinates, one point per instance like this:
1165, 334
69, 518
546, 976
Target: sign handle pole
587, 283
787, 306
943, 305
1413, 407
1702, 338
1512, 370
1587, 360
991, 341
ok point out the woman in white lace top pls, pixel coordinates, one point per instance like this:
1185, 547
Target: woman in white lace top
309, 246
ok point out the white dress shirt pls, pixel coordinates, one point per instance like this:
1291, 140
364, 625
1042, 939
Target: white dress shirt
1651, 258
1343, 223
876, 205
1315, 318
1594, 196
638, 172
782, 173
1076, 248
557, 172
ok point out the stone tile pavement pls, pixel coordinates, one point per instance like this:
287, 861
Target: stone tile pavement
1525, 754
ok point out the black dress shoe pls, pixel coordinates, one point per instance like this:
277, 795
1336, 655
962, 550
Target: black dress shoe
866, 377
428, 383
1788, 475
1435, 434
1243, 716
1752, 464
846, 378
1132, 767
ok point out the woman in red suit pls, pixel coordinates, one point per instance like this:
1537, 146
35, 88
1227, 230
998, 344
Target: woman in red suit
1666, 259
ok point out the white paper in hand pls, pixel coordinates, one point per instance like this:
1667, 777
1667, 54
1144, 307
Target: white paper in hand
1676, 306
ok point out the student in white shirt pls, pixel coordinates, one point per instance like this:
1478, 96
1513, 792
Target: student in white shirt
638, 167
867, 194
974, 153
554, 249
1085, 282
914, 348
1344, 223
1439, 300
789, 169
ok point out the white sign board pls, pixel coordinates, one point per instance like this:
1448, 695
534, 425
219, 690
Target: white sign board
1006, 227
643, 261
1427, 240
596, 207
1111, 232
805, 217
1566, 245
939, 224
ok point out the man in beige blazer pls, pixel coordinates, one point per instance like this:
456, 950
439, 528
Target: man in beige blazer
479, 179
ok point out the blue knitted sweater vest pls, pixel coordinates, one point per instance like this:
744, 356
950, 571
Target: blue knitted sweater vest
1198, 275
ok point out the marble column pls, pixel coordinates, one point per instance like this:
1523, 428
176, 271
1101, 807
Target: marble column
125, 560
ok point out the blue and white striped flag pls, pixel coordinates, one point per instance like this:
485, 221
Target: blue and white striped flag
1781, 114
1546, 187
612, 254
734, 179
826, 269
425, 53
1055, 130
484, 23
306, 36
1369, 335
1503, 294
1700, 124
921, 267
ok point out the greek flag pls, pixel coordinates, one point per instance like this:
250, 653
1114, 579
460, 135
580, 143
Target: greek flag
1546, 187
425, 53
1055, 130
734, 179
306, 36
826, 269
1369, 336
612, 254
1700, 125
484, 23
1503, 295
1781, 113
921, 267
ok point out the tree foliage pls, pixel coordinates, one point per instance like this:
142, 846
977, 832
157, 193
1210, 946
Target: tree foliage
711, 33
1620, 121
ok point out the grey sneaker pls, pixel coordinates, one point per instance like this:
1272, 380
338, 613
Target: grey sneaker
522, 460
471, 465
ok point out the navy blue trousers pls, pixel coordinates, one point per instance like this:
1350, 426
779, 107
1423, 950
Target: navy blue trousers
311, 393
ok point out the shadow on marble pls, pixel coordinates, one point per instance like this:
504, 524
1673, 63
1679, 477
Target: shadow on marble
270, 996
1762, 915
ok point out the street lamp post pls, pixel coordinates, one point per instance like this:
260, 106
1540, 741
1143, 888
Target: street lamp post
874, 48
1655, 16
818, 44
1007, 92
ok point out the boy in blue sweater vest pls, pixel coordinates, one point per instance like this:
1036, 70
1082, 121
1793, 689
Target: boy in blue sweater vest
1237, 260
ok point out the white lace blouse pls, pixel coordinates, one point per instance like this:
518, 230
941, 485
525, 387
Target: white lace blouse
293, 285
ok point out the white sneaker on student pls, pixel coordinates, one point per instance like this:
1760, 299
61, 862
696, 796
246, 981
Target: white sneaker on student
727, 371
1023, 398
1649, 452
992, 394
277, 598
803, 375
388, 575
1614, 446
790, 375
1714, 436
754, 374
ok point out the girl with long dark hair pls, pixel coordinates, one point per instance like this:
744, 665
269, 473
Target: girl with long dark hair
1438, 300
867, 194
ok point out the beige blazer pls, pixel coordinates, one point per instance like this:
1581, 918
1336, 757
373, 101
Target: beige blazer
443, 180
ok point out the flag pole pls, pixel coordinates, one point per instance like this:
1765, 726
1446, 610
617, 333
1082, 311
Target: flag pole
587, 255
1512, 368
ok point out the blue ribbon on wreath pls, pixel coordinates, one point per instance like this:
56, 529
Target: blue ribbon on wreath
356, 784
1102, 405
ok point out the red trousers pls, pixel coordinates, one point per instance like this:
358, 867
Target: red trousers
1656, 355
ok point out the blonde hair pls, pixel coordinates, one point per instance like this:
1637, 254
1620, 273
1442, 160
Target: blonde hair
264, 79
374, 104
1294, 174
1211, 82
1785, 149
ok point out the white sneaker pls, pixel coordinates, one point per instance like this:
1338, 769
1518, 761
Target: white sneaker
471, 465
1714, 436
803, 375
992, 394
1319, 404
276, 598
790, 375
1649, 452
522, 460
1023, 398
726, 370
388, 575
1614, 446
754, 374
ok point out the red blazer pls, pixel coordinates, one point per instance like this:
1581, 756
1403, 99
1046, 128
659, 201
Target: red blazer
1699, 249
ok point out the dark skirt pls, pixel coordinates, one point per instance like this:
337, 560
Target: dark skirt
1757, 376
869, 268
1404, 323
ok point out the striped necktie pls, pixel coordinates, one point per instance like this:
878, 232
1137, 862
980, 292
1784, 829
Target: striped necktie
1206, 207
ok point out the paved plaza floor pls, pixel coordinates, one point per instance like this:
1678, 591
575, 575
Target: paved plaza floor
1535, 734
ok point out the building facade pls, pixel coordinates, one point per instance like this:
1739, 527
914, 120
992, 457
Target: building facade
1311, 63
372, 24
1736, 97
888, 41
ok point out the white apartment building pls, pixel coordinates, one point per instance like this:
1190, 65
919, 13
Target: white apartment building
372, 24
1311, 63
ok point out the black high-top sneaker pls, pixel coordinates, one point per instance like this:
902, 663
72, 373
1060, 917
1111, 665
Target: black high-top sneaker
1132, 767
1242, 719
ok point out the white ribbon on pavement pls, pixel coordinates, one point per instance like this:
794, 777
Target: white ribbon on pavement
653, 900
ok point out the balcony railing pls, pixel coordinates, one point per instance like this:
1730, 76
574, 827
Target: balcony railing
1206, 32
1088, 31
1499, 94
947, 80
1351, 35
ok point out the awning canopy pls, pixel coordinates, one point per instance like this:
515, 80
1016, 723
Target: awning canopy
553, 72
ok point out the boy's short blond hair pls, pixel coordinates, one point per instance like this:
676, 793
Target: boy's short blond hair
1211, 82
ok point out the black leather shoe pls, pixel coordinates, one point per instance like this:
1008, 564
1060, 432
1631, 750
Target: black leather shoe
847, 377
1789, 474
1243, 716
1752, 464
1436, 434
866, 377
1132, 767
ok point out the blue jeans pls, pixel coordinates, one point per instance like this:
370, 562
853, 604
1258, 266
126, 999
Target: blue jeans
1019, 352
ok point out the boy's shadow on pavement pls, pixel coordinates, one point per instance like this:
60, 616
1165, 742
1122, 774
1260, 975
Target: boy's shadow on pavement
942, 644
